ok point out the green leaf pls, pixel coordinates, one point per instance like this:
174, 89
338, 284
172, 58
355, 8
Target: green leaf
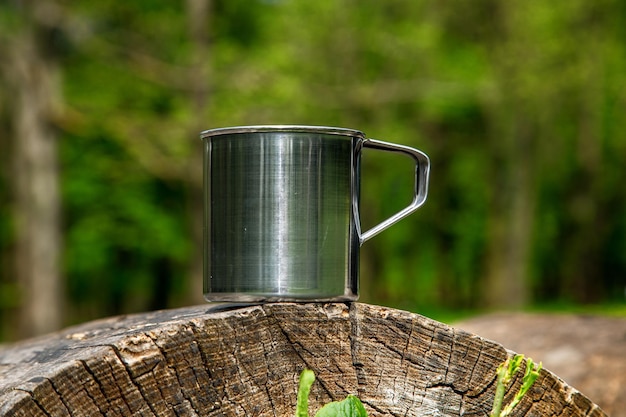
350, 407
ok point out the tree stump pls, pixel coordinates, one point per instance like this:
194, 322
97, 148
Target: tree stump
246, 360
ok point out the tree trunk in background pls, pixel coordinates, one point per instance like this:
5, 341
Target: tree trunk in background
199, 15
583, 268
34, 79
511, 220
513, 197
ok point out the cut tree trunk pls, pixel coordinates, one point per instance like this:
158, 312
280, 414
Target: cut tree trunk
245, 360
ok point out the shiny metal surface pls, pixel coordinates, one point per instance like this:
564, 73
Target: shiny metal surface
420, 190
280, 218
326, 130
281, 212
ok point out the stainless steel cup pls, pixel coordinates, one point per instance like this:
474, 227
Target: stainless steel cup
282, 211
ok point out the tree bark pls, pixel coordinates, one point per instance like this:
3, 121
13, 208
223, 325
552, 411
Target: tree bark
212, 361
35, 89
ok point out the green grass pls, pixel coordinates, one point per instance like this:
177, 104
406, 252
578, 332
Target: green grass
613, 309
451, 316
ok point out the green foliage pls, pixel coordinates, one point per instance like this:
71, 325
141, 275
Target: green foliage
123, 229
351, 406
519, 107
506, 372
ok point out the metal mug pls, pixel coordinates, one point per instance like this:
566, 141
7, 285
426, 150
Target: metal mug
281, 211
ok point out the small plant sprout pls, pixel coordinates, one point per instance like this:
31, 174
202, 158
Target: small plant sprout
506, 372
307, 377
350, 407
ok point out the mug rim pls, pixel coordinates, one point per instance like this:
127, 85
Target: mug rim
328, 130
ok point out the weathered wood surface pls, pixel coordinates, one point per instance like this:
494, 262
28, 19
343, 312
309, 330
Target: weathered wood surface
204, 362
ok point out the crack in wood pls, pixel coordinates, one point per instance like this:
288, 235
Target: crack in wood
107, 404
186, 403
295, 344
134, 383
35, 401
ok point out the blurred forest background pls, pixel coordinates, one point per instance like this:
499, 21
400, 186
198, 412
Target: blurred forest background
521, 106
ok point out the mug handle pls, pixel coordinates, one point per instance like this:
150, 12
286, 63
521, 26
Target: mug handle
420, 191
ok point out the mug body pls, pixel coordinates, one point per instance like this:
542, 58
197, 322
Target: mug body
279, 220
